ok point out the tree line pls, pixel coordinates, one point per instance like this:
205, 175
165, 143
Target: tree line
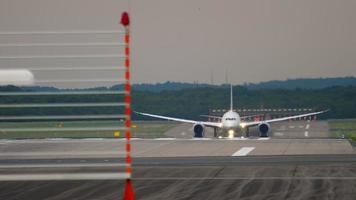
192, 102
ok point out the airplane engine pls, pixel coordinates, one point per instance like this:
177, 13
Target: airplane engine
198, 130
263, 128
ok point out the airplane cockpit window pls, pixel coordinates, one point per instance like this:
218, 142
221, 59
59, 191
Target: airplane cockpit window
230, 119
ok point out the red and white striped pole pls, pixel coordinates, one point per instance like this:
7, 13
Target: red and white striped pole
129, 193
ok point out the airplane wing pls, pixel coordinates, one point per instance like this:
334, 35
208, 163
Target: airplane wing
254, 123
248, 116
211, 116
211, 124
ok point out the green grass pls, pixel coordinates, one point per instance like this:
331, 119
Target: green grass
346, 127
151, 129
142, 129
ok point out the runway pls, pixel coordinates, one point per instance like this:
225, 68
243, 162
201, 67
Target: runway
179, 167
170, 148
287, 138
251, 177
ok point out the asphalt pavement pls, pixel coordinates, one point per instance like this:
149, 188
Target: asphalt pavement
299, 161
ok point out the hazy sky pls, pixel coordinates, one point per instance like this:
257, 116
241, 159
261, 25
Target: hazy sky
187, 40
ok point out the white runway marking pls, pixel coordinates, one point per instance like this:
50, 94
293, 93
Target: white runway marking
306, 134
64, 176
307, 126
61, 165
266, 138
201, 139
65, 140
236, 138
243, 151
165, 138
134, 139
90, 139
278, 134
61, 153
291, 126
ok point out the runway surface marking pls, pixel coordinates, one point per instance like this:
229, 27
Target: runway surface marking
64, 176
199, 139
291, 126
306, 133
278, 134
62, 153
243, 151
307, 126
165, 138
62, 165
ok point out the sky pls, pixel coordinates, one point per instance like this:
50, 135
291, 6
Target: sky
203, 41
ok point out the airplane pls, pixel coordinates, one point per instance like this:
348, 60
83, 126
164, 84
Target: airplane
230, 123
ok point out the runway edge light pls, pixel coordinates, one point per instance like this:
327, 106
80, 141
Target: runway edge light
117, 133
129, 191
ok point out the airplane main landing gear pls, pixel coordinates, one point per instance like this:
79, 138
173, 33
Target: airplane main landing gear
247, 132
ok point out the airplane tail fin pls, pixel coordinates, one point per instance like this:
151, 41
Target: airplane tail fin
231, 99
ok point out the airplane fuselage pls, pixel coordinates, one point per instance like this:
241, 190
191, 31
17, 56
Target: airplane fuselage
230, 122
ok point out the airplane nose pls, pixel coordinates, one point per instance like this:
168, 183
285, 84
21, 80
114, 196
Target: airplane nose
231, 124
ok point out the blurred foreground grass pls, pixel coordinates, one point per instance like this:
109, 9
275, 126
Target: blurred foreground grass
141, 129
